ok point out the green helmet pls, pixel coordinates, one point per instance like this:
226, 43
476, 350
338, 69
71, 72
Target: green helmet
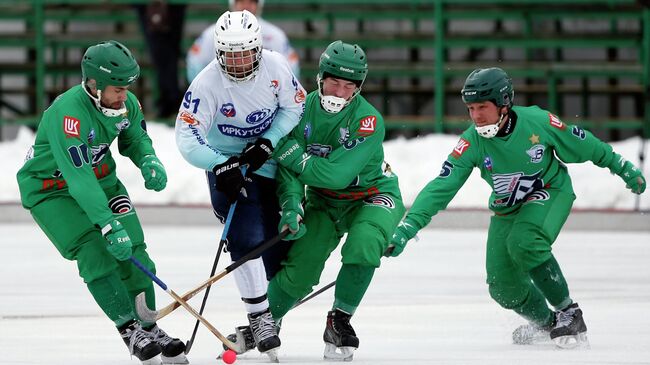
345, 61
488, 84
109, 63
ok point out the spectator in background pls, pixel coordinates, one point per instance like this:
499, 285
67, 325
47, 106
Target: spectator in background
162, 25
202, 51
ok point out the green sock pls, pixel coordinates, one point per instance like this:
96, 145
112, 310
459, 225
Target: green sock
150, 296
113, 298
279, 301
351, 285
549, 280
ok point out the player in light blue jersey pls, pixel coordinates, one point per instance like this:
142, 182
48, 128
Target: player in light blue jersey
233, 115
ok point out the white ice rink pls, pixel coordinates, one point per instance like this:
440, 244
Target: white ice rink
428, 306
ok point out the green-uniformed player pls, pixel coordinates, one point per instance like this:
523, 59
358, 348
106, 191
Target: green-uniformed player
336, 151
69, 185
520, 152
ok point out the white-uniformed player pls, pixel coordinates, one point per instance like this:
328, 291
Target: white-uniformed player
233, 114
273, 38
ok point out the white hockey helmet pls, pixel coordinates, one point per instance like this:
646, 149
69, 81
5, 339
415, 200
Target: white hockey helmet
238, 44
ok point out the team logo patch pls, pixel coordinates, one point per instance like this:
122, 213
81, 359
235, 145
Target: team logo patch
318, 149
188, 118
460, 148
383, 200
513, 188
578, 132
258, 116
539, 195
120, 204
367, 125
71, 126
536, 153
556, 122
123, 124
299, 97
228, 110
91, 135
487, 163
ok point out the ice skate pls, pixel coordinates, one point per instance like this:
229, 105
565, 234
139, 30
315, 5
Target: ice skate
265, 333
531, 334
173, 349
570, 330
340, 339
140, 343
243, 340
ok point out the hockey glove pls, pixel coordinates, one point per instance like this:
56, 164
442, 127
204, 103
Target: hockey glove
153, 171
403, 233
229, 179
255, 154
291, 219
291, 155
633, 177
119, 242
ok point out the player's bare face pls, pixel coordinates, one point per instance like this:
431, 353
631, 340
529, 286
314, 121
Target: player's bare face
240, 64
114, 97
250, 5
483, 113
340, 88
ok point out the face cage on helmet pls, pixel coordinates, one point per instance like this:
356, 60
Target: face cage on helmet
490, 130
334, 104
241, 65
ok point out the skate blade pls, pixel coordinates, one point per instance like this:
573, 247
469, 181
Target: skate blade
333, 353
153, 361
273, 355
179, 359
579, 341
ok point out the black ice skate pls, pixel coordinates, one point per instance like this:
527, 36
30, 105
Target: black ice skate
339, 335
242, 339
140, 343
570, 330
173, 349
265, 333
531, 334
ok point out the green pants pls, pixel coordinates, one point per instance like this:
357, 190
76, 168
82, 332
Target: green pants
519, 262
369, 227
113, 283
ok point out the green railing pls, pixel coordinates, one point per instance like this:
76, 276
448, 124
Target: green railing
429, 32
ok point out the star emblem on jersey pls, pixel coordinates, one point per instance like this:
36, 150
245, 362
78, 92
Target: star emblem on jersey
534, 139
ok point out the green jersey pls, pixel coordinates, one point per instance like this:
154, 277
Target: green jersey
342, 153
71, 154
518, 167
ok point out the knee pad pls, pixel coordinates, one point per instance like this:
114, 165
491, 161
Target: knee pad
528, 246
364, 245
93, 260
509, 295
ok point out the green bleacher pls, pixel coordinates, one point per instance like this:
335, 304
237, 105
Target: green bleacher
587, 61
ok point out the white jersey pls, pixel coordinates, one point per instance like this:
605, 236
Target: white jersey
218, 117
202, 51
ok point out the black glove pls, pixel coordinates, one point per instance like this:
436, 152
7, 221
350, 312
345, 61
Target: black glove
229, 179
256, 154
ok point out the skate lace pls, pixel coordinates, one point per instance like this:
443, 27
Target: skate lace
564, 318
342, 326
263, 326
160, 336
138, 338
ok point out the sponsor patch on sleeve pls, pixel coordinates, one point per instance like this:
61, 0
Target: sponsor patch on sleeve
71, 126
299, 97
460, 148
367, 125
188, 118
556, 122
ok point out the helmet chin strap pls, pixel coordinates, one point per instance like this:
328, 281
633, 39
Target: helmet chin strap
490, 130
109, 112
